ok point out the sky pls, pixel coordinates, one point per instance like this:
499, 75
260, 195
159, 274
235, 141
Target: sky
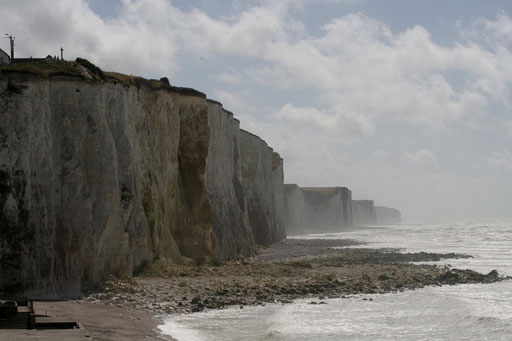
405, 102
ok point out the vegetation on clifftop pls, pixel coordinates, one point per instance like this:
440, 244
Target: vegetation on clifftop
46, 68
50, 68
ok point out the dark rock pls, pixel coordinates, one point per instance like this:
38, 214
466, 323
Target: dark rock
449, 276
383, 277
493, 273
197, 309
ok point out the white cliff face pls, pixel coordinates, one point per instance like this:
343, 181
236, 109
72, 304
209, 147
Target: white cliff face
315, 208
102, 186
194, 234
99, 179
262, 182
224, 185
363, 212
328, 207
294, 208
77, 189
279, 230
387, 215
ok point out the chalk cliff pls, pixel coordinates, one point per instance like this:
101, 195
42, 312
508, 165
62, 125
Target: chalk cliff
103, 174
363, 212
100, 178
224, 184
311, 208
387, 215
328, 206
294, 208
262, 175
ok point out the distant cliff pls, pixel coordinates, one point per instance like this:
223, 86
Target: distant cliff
363, 212
103, 177
310, 209
294, 208
318, 207
387, 215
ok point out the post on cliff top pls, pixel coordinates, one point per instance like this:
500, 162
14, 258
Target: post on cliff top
61, 53
11, 40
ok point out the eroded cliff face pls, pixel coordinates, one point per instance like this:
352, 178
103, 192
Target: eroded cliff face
363, 212
224, 185
279, 230
328, 207
387, 215
262, 175
320, 208
294, 208
101, 178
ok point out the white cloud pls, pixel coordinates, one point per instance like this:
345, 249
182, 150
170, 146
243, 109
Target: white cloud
500, 161
307, 117
507, 125
248, 34
229, 101
231, 77
501, 28
422, 158
359, 63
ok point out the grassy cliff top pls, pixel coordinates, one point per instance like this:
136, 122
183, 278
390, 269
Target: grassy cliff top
86, 70
44, 69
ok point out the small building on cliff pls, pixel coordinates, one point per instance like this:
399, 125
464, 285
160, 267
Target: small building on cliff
4, 57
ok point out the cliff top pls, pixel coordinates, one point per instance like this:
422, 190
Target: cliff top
323, 189
363, 201
87, 71
44, 69
387, 208
248, 133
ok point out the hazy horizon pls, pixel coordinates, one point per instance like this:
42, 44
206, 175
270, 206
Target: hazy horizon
405, 103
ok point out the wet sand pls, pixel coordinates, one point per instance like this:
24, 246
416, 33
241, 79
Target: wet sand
129, 309
106, 322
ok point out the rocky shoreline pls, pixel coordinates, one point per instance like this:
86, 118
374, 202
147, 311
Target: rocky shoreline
292, 269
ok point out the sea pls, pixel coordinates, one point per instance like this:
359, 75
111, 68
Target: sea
459, 312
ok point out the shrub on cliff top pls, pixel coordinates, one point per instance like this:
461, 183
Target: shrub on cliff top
93, 68
165, 80
45, 68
